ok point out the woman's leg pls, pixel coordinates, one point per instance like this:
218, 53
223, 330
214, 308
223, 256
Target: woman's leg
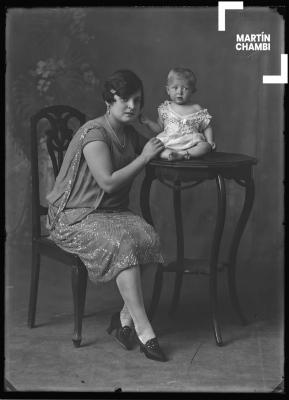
129, 284
125, 317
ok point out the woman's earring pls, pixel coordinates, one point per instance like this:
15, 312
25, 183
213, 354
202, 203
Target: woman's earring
108, 109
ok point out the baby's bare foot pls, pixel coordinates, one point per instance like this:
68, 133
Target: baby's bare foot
171, 155
174, 155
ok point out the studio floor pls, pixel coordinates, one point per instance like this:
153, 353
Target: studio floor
44, 359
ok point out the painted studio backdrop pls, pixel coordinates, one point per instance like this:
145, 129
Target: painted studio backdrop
62, 55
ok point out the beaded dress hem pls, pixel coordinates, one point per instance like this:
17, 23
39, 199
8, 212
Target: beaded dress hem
108, 243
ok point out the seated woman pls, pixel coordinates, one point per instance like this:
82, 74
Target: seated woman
88, 207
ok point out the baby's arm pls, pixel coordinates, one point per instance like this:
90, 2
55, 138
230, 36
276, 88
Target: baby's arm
156, 127
208, 132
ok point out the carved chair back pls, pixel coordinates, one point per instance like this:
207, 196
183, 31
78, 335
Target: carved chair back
56, 125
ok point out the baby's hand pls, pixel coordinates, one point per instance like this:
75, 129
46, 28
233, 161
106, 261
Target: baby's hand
213, 144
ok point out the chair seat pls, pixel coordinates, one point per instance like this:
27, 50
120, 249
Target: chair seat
49, 248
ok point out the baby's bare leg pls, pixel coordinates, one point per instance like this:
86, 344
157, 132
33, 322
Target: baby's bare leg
171, 155
200, 149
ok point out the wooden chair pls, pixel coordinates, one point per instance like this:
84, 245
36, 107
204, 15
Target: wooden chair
57, 138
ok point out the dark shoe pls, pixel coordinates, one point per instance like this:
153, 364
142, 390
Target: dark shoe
152, 350
123, 334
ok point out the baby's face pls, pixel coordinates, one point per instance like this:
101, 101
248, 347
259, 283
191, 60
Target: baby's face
179, 90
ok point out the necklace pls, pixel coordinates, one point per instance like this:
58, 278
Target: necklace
122, 145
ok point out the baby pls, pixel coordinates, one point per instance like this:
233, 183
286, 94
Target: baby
183, 127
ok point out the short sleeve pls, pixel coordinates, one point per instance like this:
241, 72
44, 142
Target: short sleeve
95, 134
205, 119
163, 111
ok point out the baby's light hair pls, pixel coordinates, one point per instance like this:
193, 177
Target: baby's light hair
184, 73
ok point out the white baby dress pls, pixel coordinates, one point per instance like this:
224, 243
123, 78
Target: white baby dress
182, 131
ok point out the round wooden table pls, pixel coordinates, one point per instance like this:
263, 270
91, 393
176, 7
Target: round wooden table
185, 174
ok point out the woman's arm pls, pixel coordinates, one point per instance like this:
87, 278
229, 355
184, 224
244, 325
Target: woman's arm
98, 158
155, 127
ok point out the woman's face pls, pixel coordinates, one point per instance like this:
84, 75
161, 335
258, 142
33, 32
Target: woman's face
128, 109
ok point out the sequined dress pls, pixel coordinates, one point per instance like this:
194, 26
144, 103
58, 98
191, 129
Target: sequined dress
182, 131
99, 227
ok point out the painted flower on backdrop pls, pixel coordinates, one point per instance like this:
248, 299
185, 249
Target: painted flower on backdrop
63, 74
46, 71
53, 80
77, 27
89, 77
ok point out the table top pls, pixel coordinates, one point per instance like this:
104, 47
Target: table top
212, 160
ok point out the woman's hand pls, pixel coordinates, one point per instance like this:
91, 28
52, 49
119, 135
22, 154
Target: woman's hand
143, 120
152, 148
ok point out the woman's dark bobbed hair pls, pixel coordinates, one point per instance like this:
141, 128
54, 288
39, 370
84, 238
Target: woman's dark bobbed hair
124, 83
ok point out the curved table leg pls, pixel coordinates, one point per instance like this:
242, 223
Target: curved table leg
145, 209
145, 196
180, 248
156, 292
247, 207
221, 214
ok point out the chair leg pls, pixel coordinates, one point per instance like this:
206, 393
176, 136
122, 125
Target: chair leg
156, 292
35, 267
79, 283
